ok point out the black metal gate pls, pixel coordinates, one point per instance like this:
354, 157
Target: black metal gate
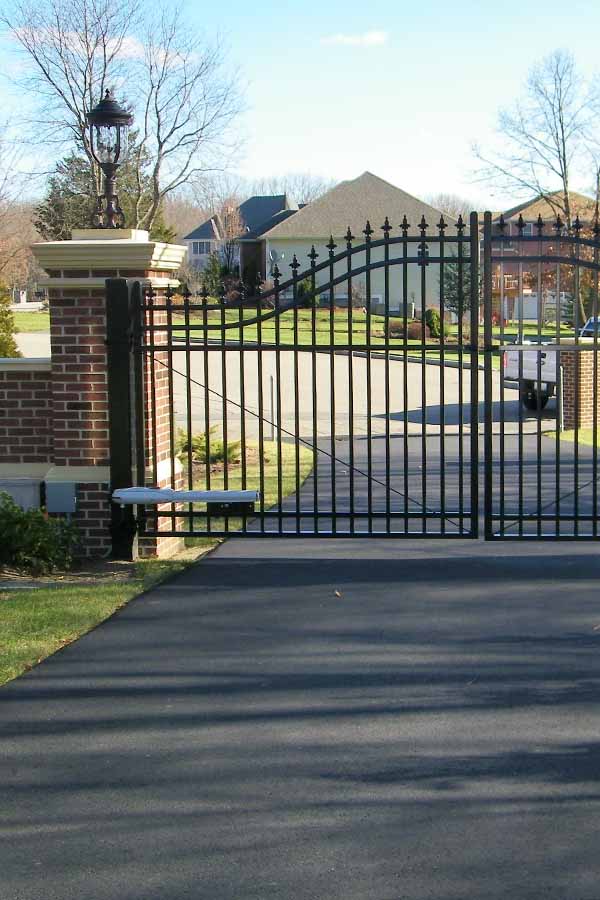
541, 379
345, 394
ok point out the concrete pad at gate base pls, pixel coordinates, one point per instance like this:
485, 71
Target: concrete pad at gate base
298, 720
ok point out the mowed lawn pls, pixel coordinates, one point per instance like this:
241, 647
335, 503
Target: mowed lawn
251, 480
585, 436
37, 621
29, 322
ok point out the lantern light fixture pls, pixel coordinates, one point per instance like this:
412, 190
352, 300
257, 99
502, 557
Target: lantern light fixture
109, 125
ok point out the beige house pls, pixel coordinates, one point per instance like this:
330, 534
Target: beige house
349, 205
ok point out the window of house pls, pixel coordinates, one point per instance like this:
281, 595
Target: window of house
200, 248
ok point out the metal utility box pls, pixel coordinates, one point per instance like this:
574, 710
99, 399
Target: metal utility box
61, 497
24, 491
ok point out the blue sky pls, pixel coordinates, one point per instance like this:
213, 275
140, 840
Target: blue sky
400, 89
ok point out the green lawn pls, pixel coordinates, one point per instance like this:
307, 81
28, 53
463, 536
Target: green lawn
584, 436
36, 623
31, 321
252, 482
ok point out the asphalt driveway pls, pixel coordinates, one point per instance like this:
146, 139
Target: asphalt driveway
318, 719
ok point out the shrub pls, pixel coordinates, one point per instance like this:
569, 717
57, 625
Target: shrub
33, 543
414, 332
432, 320
394, 328
304, 289
201, 448
8, 345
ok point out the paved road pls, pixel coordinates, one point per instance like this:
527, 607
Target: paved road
307, 720
446, 391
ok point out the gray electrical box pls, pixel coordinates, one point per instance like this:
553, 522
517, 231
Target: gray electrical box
61, 497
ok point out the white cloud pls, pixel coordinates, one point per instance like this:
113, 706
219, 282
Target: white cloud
366, 39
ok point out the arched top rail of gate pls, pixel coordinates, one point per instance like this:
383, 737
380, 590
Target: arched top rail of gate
444, 245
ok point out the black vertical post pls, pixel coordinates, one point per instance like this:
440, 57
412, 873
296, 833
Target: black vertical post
474, 301
487, 346
120, 412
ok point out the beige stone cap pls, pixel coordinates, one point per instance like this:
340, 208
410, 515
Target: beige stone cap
109, 234
112, 253
79, 474
101, 282
24, 364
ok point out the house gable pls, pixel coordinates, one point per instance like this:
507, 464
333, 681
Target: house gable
349, 205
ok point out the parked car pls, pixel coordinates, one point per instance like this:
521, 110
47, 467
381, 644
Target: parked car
535, 370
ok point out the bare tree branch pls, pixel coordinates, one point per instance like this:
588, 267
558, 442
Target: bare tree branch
544, 135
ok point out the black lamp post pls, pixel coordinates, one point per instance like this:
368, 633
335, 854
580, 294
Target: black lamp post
109, 124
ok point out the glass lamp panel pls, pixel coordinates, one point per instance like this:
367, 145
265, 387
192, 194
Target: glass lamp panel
106, 143
123, 142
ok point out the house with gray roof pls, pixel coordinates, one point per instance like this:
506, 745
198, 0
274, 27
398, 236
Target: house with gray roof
256, 214
348, 205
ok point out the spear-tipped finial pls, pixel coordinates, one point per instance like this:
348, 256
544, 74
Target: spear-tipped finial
313, 255
294, 265
539, 224
276, 273
331, 245
423, 225
460, 225
559, 224
404, 226
386, 227
577, 226
501, 224
520, 223
349, 236
368, 231
442, 225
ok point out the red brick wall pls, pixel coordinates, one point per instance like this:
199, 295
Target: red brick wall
26, 417
79, 381
93, 517
578, 388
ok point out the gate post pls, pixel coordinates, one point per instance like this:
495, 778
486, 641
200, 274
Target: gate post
120, 413
488, 380
80, 408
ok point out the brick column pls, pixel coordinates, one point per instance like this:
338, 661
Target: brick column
77, 270
579, 392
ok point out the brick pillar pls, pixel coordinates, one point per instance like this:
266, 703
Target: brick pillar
578, 388
77, 270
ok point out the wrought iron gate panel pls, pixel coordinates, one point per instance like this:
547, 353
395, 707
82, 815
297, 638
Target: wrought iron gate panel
321, 392
541, 462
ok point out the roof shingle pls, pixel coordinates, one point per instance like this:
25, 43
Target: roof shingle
350, 204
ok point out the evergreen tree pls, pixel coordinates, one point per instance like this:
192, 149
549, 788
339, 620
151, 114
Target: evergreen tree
8, 345
457, 289
211, 276
71, 199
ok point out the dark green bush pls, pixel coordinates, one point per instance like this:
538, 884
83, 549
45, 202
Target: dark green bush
33, 543
432, 320
201, 448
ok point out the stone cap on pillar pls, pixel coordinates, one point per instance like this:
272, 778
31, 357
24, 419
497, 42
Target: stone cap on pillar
95, 254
